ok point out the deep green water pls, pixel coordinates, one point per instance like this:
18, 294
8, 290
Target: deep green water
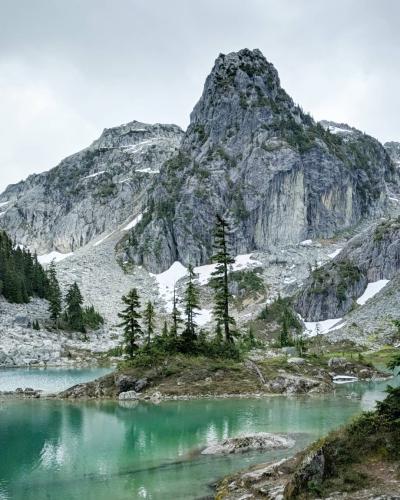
105, 450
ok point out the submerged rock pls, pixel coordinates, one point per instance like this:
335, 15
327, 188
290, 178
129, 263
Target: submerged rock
260, 441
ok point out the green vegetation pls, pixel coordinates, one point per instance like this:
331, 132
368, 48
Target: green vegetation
372, 438
21, 275
91, 318
73, 315
130, 316
54, 293
249, 281
289, 325
184, 337
385, 228
220, 279
340, 275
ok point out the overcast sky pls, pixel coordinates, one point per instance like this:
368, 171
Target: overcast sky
69, 68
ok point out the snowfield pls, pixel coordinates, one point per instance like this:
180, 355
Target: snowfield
335, 253
371, 290
314, 328
133, 223
56, 256
166, 281
94, 175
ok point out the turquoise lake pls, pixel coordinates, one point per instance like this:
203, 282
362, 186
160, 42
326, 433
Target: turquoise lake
109, 450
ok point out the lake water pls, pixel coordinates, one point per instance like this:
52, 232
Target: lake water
105, 450
47, 379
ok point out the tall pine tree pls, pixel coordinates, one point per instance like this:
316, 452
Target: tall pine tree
73, 310
53, 293
220, 278
191, 300
149, 320
130, 316
175, 316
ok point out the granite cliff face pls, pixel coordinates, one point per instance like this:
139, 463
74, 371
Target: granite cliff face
90, 192
331, 290
252, 155
393, 149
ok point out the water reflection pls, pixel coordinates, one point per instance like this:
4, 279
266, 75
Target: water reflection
102, 450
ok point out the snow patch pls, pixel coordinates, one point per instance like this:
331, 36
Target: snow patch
147, 170
94, 175
3, 203
338, 130
241, 262
306, 243
335, 253
321, 327
56, 256
371, 290
133, 223
166, 282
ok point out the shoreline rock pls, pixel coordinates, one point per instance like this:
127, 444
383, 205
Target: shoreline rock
250, 442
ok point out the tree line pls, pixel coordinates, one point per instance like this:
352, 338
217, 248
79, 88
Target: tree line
181, 333
23, 277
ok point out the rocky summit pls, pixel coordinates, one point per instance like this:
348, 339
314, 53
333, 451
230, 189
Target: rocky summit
253, 155
90, 192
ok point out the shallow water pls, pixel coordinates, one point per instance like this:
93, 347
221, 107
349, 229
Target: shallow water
106, 450
47, 379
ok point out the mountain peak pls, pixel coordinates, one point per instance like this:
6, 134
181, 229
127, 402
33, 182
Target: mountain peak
241, 93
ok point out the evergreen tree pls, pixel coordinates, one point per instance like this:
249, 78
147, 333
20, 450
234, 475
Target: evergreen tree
176, 317
73, 312
284, 335
149, 321
165, 332
191, 299
130, 316
53, 293
220, 279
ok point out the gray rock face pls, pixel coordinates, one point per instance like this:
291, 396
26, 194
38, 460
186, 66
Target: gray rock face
393, 149
372, 255
90, 192
252, 155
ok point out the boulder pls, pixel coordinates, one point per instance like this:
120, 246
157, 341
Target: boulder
128, 395
141, 384
337, 362
259, 441
296, 361
125, 383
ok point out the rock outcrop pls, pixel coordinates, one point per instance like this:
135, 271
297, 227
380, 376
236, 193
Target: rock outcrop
90, 192
331, 290
241, 444
252, 155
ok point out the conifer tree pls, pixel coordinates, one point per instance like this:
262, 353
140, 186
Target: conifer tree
220, 279
191, 300
284, 334
53, 293
176, 317
130, 316
149, 320
164, 332
73, 312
